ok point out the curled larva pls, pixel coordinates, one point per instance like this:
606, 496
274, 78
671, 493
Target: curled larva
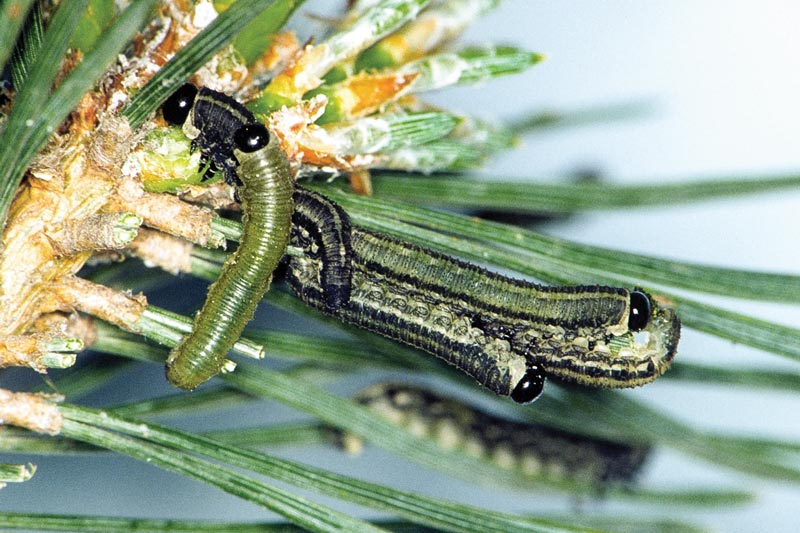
508, 334
326, 227
266, 196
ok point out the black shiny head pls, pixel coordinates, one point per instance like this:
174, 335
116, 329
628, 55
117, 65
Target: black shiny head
251, 138
530, 386
177, 107
641, 308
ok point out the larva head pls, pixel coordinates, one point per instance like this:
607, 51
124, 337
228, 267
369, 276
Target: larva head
633, 350
251, 138
258, 151
530, 386
177, 107
663, 331
640, 311
646, 350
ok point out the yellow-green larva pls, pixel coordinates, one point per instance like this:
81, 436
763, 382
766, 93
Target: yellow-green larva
266, 197
209, 117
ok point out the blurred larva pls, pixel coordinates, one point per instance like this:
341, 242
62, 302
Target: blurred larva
531, 449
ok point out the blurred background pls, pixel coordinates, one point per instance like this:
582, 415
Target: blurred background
718, 83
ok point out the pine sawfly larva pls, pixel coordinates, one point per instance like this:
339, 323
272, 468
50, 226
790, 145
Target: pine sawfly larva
266, 196
506, 333
209, 118
531, 449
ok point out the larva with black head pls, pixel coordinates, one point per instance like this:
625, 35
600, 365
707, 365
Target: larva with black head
209, 118
508, 334
421, 318
266, 196
530, 449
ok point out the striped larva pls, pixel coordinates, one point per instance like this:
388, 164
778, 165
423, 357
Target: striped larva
506, 333
327, 230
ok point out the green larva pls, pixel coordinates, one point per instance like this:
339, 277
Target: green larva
266, 197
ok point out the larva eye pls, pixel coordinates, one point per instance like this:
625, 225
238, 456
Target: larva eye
641, 308
529, 387
176, 108
250, 138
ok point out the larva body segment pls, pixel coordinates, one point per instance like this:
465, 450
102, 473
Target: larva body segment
328, 227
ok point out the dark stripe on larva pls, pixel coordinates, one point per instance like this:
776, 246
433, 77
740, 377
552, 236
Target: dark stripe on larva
329, 226
415, 318
411, 322
266, 196
531, 449
514, 299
